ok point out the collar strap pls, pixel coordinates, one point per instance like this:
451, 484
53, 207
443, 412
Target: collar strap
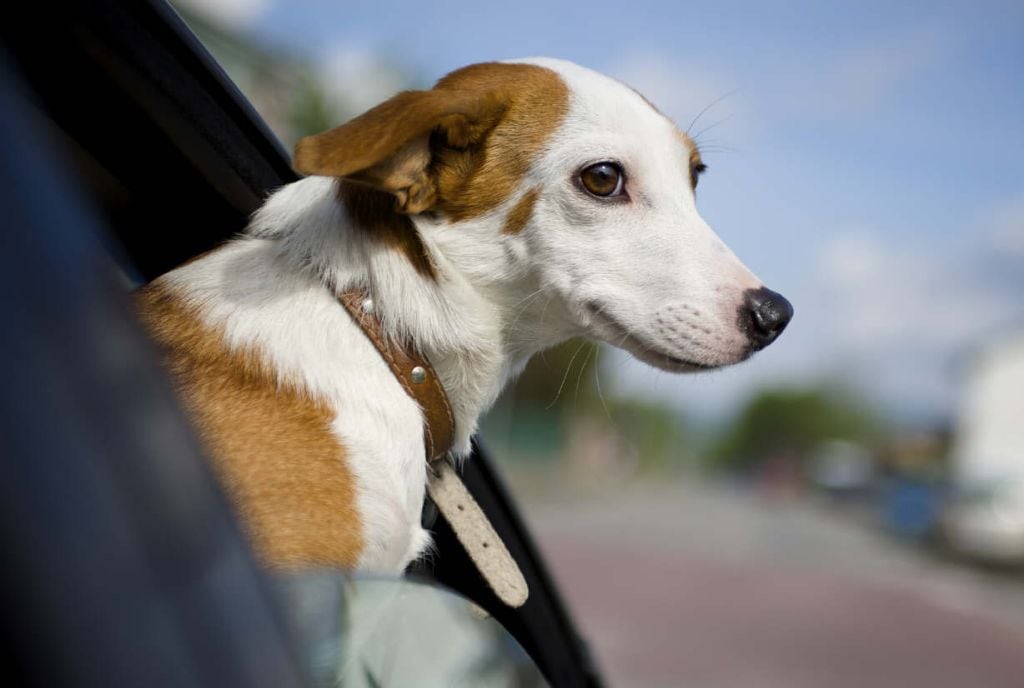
446, 489
413, 372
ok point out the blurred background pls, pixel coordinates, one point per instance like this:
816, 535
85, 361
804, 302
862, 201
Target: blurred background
847, 508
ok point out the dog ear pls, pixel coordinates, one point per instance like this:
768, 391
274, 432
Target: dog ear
391, 146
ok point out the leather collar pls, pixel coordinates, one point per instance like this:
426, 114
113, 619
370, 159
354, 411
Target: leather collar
455, 502
414, 373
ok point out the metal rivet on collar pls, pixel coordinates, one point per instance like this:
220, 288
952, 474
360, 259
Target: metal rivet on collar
419, 374
367, 305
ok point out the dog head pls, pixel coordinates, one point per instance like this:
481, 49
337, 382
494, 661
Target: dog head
574, 182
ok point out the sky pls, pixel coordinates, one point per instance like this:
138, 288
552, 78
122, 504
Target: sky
865, 159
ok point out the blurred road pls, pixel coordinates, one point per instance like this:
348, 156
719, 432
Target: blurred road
715, 588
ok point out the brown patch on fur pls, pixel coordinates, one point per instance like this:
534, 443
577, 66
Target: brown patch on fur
474, 180
688, 143
695, 160
373, 211
387, 147
271, 446
696, 166
520, 214
460, 149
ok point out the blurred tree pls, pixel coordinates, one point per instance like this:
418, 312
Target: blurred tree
657, 434
310, 110
561, 378
533, 415
286, 90
790, 422
560, 391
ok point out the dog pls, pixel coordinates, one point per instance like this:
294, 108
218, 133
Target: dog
511, 207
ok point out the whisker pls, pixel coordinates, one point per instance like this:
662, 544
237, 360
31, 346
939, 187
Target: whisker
545, 309
710, 127
579, 378
597, 379
565, 377
529, 296
710, 105
526, 305
717, 149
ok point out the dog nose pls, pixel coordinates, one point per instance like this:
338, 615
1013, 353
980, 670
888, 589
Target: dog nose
766, 316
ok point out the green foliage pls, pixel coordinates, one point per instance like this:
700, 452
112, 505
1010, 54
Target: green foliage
561, 379
790, 422
286, 90
310, 111
559, 390
656, 433
534, 414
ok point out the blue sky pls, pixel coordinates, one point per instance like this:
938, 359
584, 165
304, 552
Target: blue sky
867, 159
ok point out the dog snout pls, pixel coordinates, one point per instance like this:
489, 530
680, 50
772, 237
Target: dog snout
764, 315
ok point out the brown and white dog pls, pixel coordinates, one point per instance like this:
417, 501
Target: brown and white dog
509, 208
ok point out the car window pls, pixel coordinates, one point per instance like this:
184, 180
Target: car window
363, 632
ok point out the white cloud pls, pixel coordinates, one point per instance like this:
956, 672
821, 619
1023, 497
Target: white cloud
903, 316
232, 14
882, 295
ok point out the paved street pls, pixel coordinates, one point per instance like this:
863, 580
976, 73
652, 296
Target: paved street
712, 587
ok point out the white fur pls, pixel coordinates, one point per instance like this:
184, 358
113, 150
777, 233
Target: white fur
651, 268
649, 276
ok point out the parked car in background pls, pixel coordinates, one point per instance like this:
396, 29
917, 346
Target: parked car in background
985, 517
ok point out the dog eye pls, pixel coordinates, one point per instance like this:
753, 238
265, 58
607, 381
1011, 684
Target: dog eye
604, 179
695, 172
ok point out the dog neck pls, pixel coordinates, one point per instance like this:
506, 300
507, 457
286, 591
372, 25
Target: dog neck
458, 293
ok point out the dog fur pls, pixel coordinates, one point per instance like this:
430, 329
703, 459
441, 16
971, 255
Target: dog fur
460, 210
